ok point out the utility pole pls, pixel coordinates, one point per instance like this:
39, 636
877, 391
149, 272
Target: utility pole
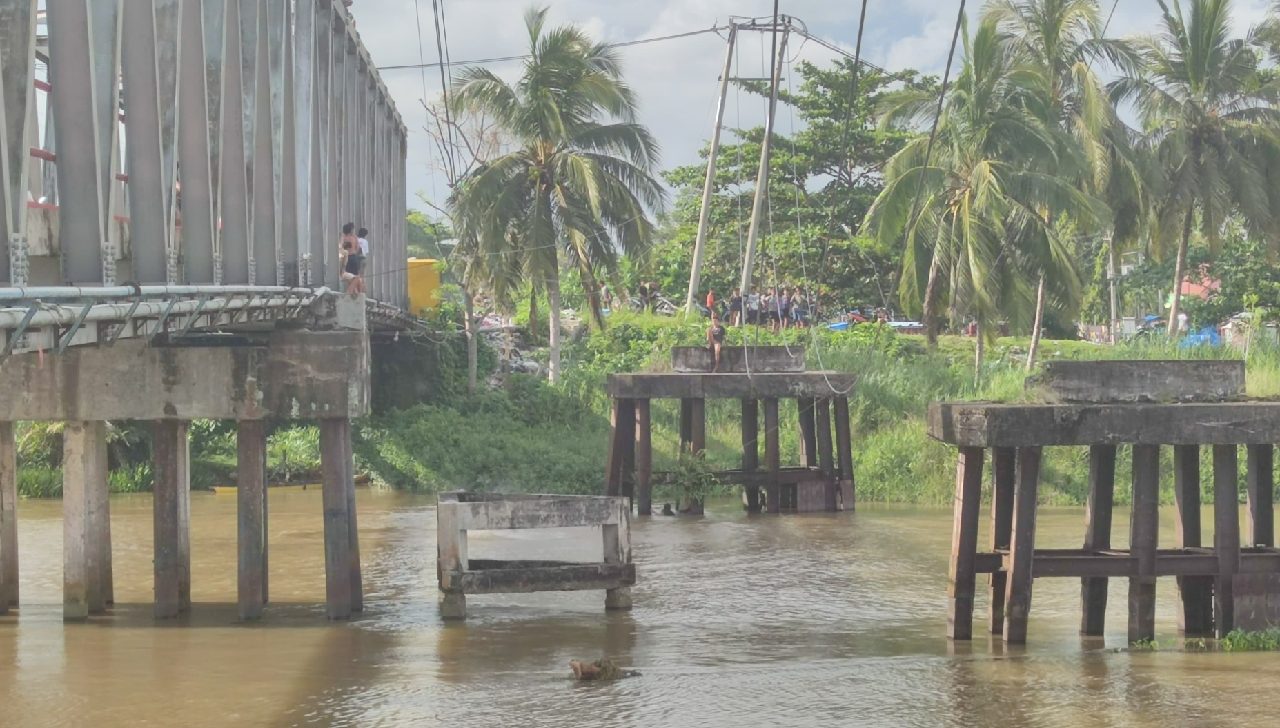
762, 177
695, 273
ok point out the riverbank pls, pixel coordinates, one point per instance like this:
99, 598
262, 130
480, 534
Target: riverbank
428, 434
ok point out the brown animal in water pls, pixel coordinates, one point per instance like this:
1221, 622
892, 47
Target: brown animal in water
599, 670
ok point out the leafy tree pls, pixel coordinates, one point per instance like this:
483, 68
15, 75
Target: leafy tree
1058, 40
825, 171
578, 182
425, 236
1210, 115
974, 217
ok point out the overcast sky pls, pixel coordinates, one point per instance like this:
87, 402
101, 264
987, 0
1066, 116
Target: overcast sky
676, 80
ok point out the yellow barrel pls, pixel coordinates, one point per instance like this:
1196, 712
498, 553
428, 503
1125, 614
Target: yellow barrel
424, 285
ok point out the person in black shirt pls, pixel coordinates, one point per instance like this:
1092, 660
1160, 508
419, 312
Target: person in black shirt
715, 339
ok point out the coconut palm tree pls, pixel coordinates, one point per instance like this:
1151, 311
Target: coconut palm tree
973, 217
1060, 40
1210, 116
577, 190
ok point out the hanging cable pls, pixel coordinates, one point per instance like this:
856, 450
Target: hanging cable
442, 54
933, 132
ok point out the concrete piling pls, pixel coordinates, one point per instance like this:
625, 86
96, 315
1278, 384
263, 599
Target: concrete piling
335, 467
84, 485
171, 563
8, 518
251, 537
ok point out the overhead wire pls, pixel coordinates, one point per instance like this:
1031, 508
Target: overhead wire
933, 132
526, 56
442, 54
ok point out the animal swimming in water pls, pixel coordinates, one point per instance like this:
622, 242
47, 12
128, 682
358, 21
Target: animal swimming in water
604, 669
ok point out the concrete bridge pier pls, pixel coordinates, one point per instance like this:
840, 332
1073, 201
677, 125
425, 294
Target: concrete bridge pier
344, 593
86, 556
8, 518
251, 518
171, 464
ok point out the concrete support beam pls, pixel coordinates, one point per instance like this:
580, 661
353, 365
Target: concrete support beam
1003, 475
85, 521
296, 374
964, 543
353, 528
334, 457
251, 488
8, 518
172, 486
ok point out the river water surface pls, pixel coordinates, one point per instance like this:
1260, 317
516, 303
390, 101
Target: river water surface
738, 621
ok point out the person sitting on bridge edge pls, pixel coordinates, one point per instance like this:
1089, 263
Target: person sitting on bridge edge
347, 247
715, 339
355, 262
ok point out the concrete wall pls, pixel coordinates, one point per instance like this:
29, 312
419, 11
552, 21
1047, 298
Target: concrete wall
295, 375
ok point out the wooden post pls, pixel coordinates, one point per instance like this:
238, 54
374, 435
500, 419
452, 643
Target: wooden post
772, 458
644, 458
83, 472
168, 457
1003, 461
617, 550
1196, 592
844, 453
686, 425
1017, 600
621, 445
698, 427
751, 449
251, 541
808, 434
1144, 531
8, 518
826, 458
353, 528
451, 550
337, 521
1226, 535
1097, 536
964, 543
1261, 486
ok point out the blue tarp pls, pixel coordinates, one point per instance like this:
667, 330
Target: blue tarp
1208, 336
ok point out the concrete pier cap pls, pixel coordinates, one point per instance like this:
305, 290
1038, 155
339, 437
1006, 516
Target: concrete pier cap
283, 374
739, 359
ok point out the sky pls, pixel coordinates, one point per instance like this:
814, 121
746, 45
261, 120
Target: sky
676, 80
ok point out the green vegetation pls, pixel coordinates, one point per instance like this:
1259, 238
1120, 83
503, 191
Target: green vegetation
1238, 640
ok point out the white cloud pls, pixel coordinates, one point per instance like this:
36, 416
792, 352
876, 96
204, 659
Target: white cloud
676, 80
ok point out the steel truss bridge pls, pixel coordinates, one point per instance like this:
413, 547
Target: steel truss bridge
175, 166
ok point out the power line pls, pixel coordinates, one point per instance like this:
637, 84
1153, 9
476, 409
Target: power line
933, 132
525, 56
442, 54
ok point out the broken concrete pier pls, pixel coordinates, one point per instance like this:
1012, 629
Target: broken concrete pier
458, 513
1187, 405
822, 480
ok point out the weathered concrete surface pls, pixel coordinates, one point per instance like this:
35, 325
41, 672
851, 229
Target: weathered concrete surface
724, 386
546, 512
1021, 425
739, 359
296, 375
459, 512
1257, 601
1140, 381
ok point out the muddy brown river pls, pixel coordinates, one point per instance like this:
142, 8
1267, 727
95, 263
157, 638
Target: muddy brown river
764, 621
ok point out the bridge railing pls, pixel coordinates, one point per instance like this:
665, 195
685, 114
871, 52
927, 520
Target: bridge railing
193, 142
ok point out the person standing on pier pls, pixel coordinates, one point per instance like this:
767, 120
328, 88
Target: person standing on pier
715, 339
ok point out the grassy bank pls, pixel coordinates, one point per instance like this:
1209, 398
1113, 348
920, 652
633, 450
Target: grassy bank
429, 435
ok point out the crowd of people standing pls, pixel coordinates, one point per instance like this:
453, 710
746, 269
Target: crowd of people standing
778, 308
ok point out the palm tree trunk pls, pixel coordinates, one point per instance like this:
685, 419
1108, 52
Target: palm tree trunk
1036, 326
553, 326
1178, 272
591, 287
1113, 270
533, 312
930, 303
473, 344
979, 353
